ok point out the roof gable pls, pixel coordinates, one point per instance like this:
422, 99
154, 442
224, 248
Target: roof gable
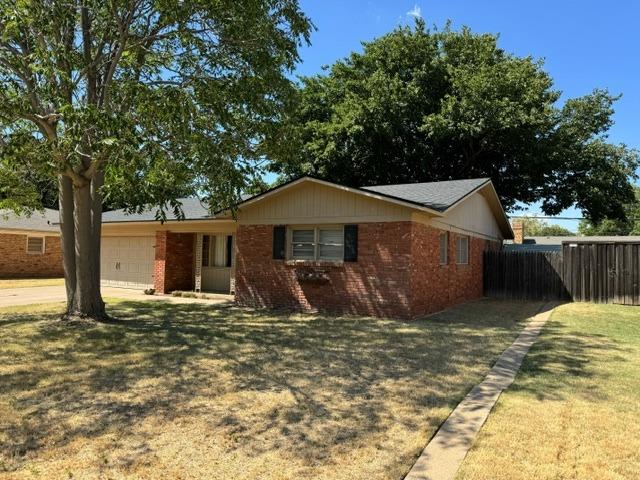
360, 191
434, 198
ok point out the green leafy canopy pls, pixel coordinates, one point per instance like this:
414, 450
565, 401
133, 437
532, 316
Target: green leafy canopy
428, 105
165, 98
630, 225
536, 227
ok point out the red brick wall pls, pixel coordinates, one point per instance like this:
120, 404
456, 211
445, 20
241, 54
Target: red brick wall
15, 262
435, 287
397, 273
173, 268
377, 284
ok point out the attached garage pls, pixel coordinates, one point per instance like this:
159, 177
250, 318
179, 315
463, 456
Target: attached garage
195, 253
127, 262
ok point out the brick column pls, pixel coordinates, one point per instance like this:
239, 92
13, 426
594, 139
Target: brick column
160, 262
173, 268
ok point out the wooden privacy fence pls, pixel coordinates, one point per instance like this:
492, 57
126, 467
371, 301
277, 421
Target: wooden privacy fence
524, 275
603, 272
583, 272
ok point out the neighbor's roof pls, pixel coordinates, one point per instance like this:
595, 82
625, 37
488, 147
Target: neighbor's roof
531, 247
37, 221
435, 195
603, 239
529, 241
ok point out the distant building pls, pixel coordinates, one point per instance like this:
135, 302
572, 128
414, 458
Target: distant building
30, 245
522, 243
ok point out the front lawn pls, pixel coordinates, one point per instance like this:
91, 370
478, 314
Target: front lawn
30, 282
211, 392
574, 409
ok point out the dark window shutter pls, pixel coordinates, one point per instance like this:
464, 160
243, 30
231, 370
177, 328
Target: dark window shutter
351, 243
229, 250
279, 233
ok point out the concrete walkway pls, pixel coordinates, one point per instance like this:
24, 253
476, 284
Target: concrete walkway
445, 452
10, 297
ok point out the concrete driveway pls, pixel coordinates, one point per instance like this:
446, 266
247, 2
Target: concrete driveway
29, 295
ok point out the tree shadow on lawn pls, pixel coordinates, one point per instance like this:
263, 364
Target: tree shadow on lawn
311, 384
562, 356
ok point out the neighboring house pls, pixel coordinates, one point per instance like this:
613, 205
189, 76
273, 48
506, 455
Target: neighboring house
523, 243
534, 244
395, 250
30, 245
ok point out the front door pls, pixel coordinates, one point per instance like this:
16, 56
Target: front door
217, 262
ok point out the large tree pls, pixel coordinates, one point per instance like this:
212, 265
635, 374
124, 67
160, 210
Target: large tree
421, 105
612, 226
139, 102
537, 227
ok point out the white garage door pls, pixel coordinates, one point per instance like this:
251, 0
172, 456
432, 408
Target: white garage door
127, 262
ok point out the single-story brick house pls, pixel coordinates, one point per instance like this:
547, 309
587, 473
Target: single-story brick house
394, 250
30, 245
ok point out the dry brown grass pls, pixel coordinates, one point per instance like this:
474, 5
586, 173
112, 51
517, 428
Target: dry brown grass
573, 411
205, 392
30, 282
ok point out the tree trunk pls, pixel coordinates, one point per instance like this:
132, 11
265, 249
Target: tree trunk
81, 218
96, 222
67, 238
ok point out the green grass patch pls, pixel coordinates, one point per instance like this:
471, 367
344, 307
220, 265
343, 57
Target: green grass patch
573, 410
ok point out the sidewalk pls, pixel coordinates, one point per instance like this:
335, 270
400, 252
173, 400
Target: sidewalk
445, 452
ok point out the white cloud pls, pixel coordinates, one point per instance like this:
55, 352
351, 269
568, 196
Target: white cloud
415, 12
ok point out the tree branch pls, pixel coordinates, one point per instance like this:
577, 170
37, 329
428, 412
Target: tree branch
85, 21
77, 179
124, 25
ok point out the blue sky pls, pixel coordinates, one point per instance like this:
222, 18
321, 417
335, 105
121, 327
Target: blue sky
585, 44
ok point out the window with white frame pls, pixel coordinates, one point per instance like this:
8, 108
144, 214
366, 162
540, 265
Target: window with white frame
303, 244
35, 245
462, 250
316, 243
444, 243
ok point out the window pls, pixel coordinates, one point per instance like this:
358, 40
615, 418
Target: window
215, 251
444, 243
35, 245
462, 250
317, 243
206, 246
330, 244
303, 244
